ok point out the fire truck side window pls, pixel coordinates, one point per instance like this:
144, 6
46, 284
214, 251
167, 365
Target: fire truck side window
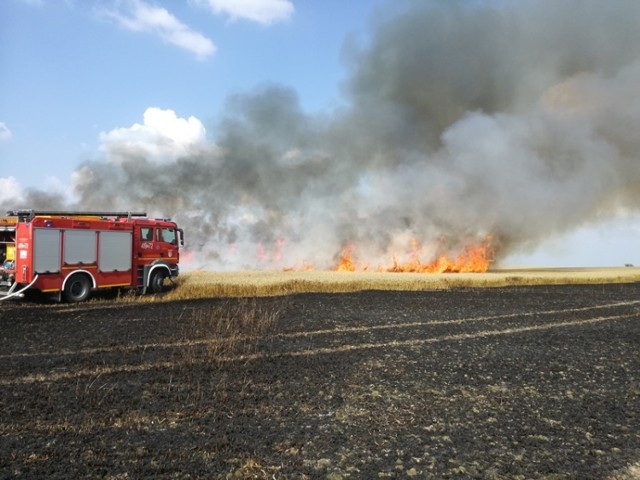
169, 235
146, 234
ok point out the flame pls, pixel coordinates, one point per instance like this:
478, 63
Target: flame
474, 258
346, 263
441, 258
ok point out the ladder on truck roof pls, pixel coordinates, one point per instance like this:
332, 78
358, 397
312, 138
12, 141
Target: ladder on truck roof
25, 214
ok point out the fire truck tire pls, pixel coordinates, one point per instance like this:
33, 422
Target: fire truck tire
156, 281
77, 288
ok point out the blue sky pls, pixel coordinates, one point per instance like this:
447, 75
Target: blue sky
82, 79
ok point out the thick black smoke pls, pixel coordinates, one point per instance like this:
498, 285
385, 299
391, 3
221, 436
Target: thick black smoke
518, 119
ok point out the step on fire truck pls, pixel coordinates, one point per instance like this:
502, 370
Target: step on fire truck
69, 254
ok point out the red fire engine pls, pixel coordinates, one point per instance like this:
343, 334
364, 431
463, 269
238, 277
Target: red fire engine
72, 253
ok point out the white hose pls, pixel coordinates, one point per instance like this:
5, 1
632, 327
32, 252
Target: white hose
19, 293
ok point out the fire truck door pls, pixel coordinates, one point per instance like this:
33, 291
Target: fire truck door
167, 241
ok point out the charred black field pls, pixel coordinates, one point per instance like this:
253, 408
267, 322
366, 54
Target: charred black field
509, 382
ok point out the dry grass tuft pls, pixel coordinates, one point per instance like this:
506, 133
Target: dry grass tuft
210, 335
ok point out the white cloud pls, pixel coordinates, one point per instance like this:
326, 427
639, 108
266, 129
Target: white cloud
162, 137
10, 190
139, 16
261, 11
5, 133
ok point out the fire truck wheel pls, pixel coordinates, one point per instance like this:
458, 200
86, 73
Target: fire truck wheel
77, 288
156, 282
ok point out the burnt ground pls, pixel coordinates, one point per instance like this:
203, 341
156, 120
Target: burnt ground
522, 382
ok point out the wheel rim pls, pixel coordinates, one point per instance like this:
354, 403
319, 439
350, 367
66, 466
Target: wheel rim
77, 288
157, 281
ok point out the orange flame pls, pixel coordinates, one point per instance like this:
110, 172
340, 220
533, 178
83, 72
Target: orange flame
346, 263
475, 258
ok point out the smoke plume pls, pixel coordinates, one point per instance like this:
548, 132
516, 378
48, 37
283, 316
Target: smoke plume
462, 119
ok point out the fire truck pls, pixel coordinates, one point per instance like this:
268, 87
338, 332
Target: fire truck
70, 254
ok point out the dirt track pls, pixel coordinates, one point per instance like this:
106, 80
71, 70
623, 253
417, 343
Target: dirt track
522, 382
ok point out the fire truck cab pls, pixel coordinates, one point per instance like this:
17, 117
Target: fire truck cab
70, 254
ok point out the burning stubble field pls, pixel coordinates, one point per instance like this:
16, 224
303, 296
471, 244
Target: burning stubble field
506, 382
